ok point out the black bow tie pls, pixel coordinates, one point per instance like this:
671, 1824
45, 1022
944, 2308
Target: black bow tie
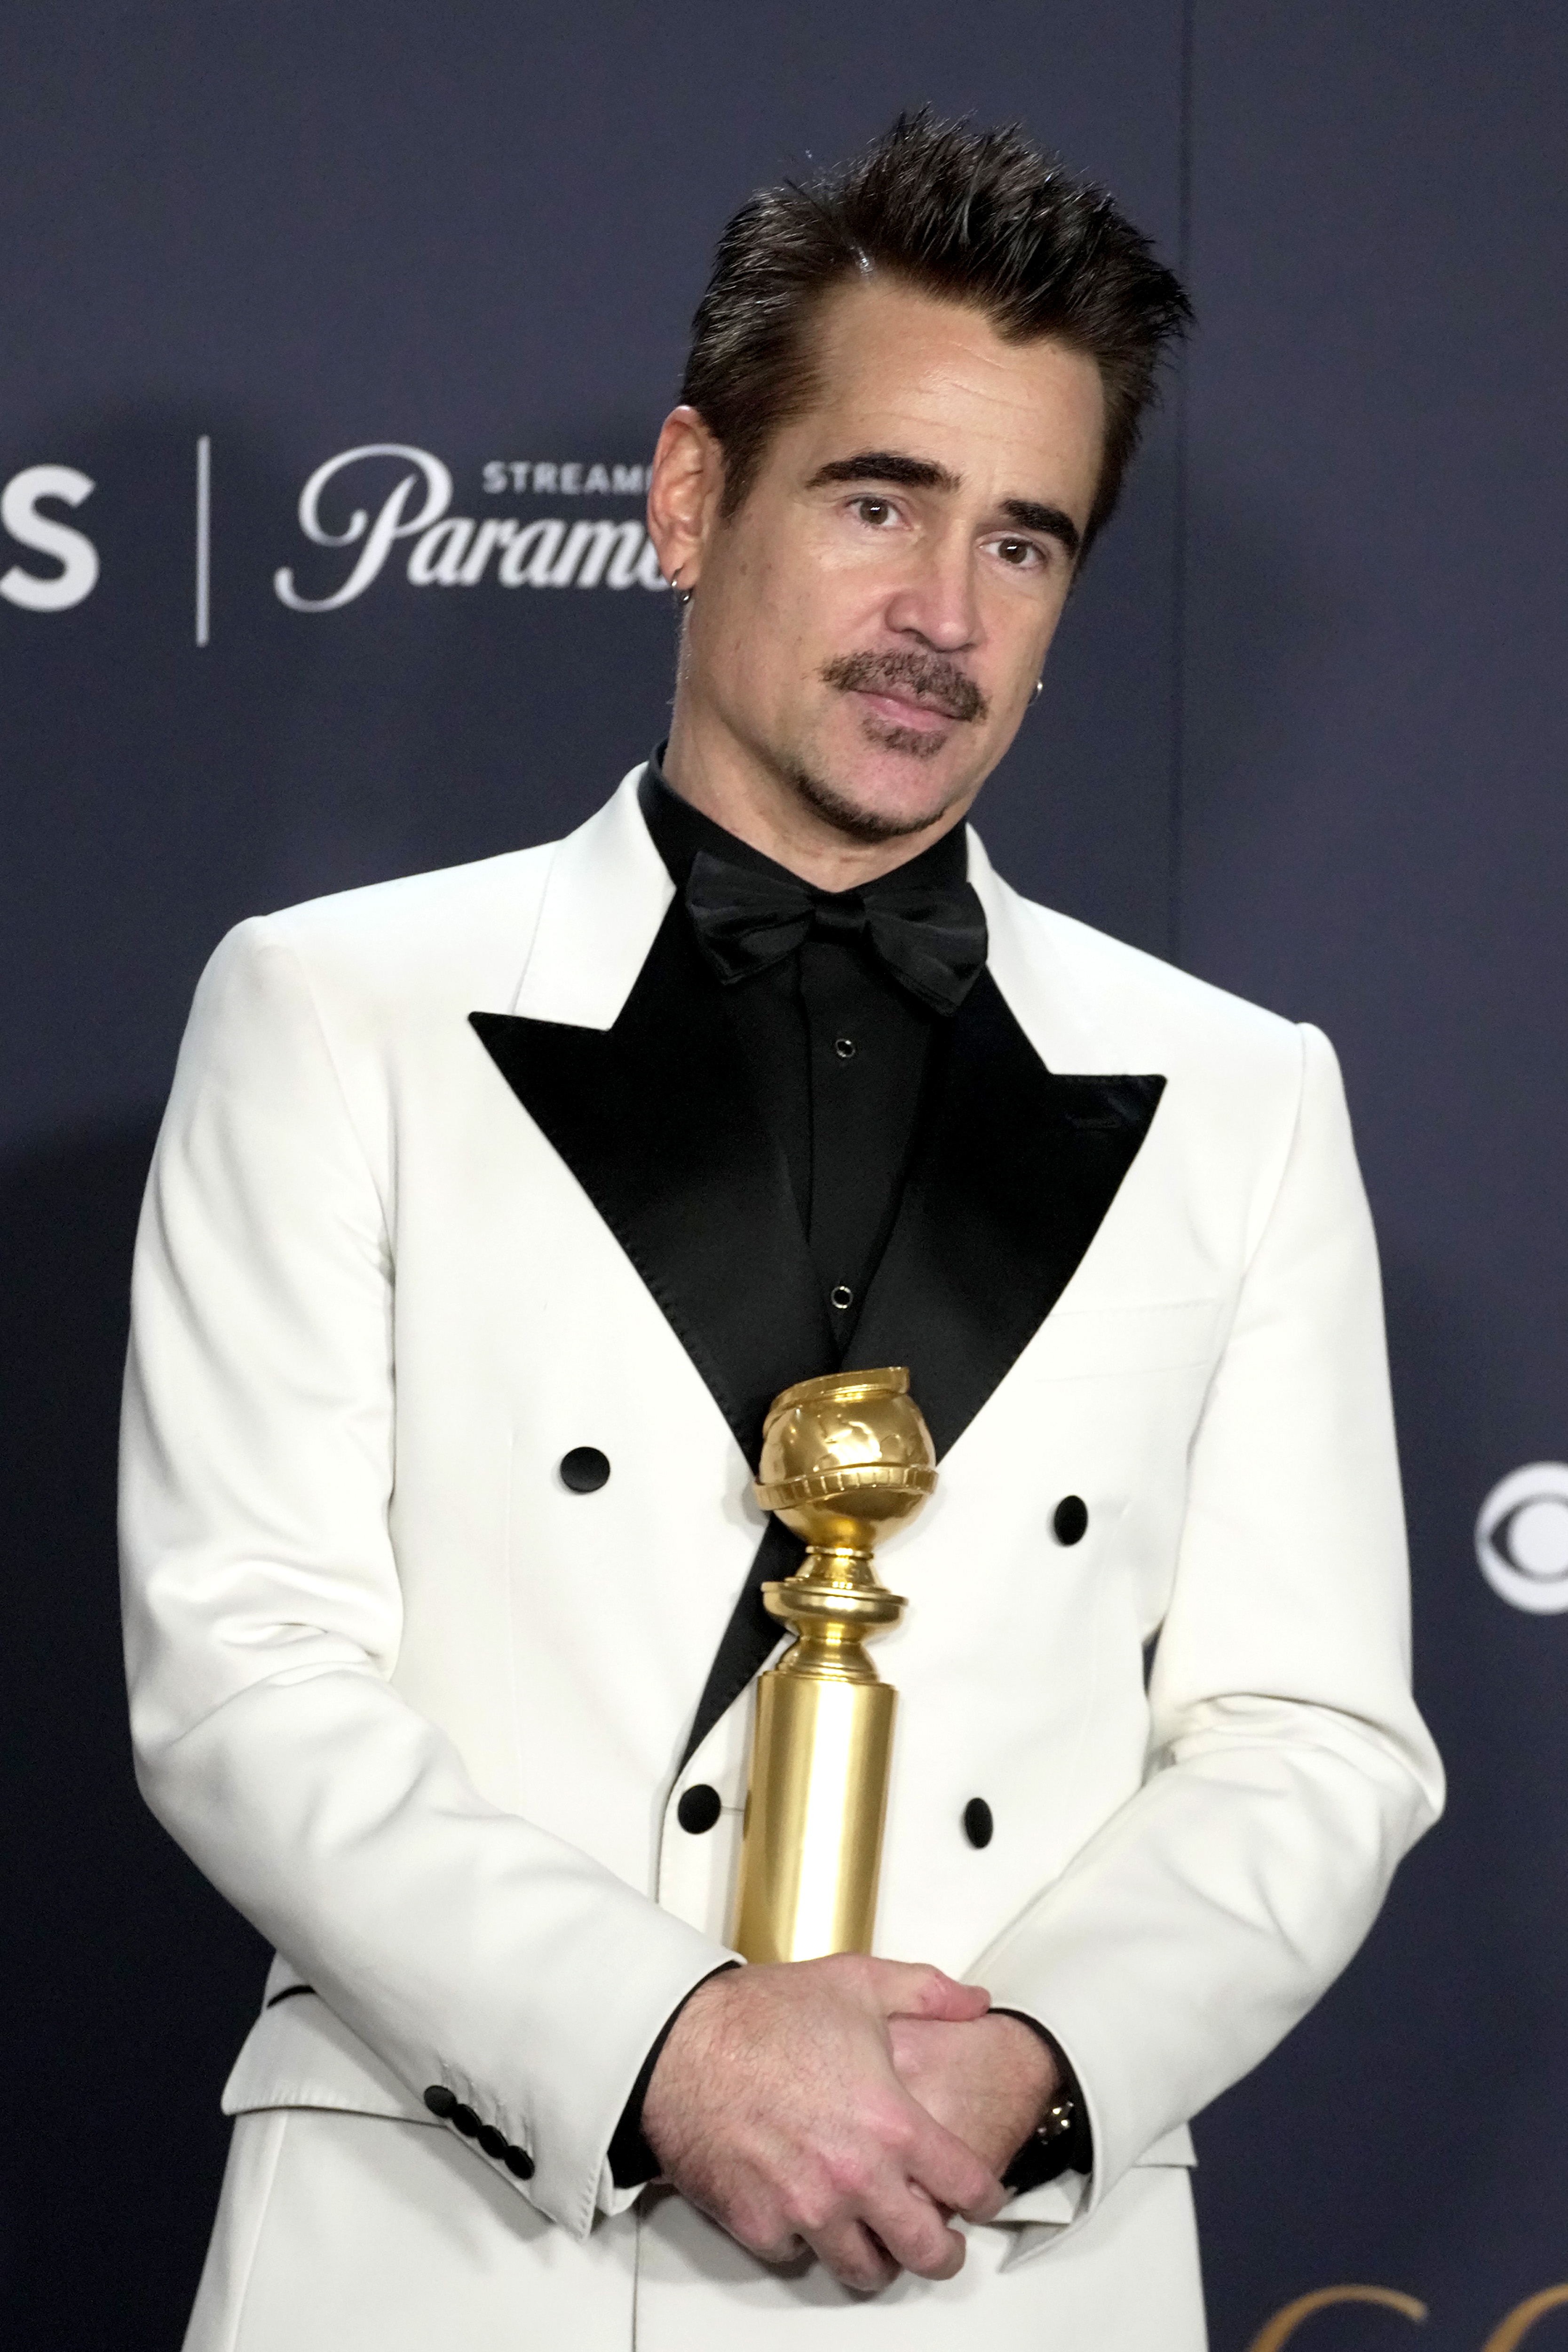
930, 935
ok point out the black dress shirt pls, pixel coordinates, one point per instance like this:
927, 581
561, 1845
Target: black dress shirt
836, 1053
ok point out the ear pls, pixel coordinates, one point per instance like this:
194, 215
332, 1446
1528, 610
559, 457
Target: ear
685, 488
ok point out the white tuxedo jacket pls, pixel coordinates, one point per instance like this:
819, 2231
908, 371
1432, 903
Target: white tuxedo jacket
420, 1711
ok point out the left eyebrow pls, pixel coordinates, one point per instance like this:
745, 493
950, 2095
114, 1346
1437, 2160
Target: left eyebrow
925, 474
886, 465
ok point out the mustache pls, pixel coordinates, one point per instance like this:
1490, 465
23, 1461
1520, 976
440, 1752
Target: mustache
929, 678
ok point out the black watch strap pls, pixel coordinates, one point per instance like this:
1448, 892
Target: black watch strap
1061, 2141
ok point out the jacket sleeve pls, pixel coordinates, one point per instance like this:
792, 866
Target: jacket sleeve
465, 1946
1289, 1770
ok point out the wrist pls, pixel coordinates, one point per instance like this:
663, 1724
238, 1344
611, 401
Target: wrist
1031, 2062
633, 2159
1062, 2140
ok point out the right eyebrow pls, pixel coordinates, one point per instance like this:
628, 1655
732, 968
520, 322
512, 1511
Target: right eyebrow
886, 465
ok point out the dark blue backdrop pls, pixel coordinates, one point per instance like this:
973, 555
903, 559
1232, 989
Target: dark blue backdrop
1305, 731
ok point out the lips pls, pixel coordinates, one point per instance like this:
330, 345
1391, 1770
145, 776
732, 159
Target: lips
907, 708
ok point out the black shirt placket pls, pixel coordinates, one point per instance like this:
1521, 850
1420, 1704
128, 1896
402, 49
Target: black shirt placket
866, 1046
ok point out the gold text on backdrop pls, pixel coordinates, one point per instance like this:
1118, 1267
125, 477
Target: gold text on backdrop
1506, 2336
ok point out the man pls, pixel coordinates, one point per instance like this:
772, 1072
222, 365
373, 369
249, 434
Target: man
490, 1211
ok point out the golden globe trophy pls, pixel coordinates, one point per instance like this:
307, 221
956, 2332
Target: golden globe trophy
844, 1458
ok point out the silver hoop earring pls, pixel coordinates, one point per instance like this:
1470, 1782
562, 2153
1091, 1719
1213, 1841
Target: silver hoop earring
683, 595
1038, 689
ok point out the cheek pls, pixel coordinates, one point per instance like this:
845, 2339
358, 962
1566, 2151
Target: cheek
1021, 629
799, 615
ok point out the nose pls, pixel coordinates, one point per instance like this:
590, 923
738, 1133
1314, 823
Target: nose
936, 601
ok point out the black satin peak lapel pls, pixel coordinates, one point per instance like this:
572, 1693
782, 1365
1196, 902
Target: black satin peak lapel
1013, 1172
655, 1119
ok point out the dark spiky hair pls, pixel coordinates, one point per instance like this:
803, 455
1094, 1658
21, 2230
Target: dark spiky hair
979, 217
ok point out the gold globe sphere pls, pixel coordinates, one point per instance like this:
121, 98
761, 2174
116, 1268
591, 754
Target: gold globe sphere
844, 1457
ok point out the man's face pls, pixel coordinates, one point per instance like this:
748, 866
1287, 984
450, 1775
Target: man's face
869, 626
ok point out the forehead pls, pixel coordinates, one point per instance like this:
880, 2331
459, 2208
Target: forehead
899, 368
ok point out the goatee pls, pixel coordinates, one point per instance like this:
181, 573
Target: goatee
846, 817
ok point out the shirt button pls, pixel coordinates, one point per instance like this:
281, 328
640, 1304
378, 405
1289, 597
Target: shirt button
844, 1047
841, 1297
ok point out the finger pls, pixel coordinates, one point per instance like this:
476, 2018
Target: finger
909, 1988
786, 2250
950, 2172
988, 2206
757, 2224
912, 2233
855, 2255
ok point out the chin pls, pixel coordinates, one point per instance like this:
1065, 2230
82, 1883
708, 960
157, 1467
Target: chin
862, 811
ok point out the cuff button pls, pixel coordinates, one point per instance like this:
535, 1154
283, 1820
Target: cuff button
518, 2163
466, 2121
440, 2101
493, 2142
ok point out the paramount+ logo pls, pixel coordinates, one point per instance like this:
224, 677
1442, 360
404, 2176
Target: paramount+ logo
380, 511
412, 526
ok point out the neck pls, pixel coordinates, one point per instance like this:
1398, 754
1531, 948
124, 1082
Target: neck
741, 791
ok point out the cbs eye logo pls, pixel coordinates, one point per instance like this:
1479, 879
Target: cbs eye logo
1521, 1538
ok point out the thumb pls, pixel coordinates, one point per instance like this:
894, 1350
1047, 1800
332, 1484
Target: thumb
906, 1989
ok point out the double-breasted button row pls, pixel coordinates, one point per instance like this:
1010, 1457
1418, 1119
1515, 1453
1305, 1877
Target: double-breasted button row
699, 1807
446, 2105
585, 1469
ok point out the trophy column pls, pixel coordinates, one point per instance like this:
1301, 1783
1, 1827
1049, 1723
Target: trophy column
844, 1458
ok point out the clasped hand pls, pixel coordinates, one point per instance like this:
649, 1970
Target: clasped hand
847, 2106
